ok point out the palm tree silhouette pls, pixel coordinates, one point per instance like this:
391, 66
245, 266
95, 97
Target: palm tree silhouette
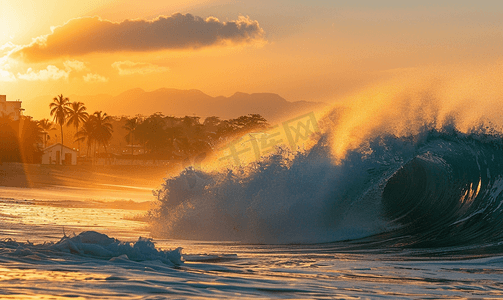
77, 115
102, 127
45, 125
86, 133
96, 129
59, 111
130, 126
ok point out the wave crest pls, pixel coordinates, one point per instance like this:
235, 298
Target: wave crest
436, 188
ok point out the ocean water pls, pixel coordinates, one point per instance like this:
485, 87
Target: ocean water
405, 217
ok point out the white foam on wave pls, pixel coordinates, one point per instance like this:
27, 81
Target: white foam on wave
92, 244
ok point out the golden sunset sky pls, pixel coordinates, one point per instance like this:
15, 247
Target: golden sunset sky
314, 50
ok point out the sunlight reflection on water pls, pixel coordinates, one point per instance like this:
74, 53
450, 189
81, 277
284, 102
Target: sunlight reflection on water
47, 223
212, 269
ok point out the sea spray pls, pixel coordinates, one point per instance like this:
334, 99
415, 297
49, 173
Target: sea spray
301, 197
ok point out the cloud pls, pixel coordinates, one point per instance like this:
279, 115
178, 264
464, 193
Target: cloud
7, 46
6, 76
50, 73
128, 68
74, 65
94, 78
92, 34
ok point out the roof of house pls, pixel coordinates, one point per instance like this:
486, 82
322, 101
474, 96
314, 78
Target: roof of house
59, 145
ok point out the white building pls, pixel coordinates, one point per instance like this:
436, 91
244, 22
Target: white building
12, 108
52, 155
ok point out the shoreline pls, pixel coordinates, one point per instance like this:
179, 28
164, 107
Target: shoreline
116, 185
112, 177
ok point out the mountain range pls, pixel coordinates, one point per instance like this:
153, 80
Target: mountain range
180, 103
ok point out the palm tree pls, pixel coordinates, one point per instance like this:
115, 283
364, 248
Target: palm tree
86, 133
45, 125
77, 115
102, 128
130, 126
59, 110
97, 129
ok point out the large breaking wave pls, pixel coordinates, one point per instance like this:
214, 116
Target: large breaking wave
438, 187
414, 161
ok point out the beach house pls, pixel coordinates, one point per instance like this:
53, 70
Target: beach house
52, 155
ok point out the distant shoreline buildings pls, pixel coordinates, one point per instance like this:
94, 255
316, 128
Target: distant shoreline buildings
10, 108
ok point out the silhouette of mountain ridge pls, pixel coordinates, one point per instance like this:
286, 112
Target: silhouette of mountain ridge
179, 103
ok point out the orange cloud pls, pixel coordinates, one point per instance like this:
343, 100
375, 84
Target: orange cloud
49, 73
6, 76
74, 65
92, 34
90, 77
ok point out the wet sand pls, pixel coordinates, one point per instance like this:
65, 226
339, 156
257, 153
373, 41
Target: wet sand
127, 187
113, 177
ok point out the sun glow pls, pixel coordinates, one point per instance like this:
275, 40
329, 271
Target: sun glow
6, 28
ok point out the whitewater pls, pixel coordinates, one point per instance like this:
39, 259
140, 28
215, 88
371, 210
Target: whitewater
399, 195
